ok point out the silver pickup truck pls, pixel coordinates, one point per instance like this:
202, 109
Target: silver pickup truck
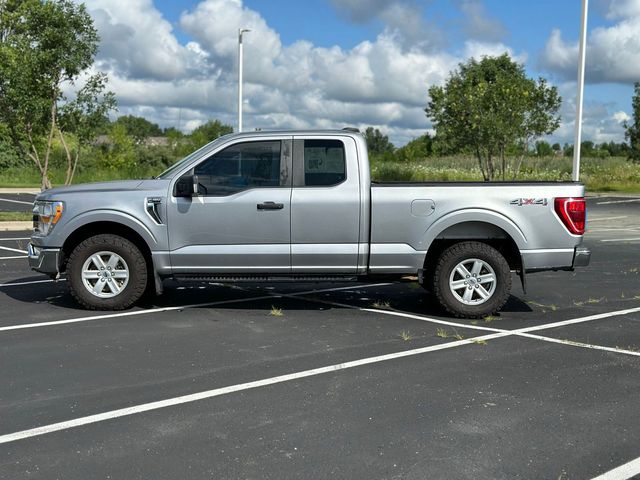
299, 206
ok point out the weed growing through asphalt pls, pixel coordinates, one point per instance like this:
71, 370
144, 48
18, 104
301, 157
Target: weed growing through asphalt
382, 305
590, 301
480, 342
490, 318
551, 307
276, 312
443, 333
405, 335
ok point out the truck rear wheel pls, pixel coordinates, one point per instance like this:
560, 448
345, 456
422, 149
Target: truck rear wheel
471, 280
107, 272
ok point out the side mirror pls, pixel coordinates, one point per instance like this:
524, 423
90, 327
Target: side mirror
186, 186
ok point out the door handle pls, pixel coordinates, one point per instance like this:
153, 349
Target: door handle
270, 206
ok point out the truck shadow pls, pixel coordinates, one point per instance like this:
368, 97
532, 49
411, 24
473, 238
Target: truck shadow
401, 297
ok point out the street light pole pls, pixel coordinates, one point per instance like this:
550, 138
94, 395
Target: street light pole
579, 99
240, 32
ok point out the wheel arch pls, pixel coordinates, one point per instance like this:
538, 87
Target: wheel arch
489, 232
91, 229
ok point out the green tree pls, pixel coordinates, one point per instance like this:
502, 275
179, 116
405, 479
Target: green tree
44, 45
121, 153
377, 142
632, 131
208, 132
416, 150
543, 149
85, 116
139, 128
556, 148
487, 106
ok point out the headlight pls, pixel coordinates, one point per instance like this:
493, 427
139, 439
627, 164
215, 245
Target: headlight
46, 215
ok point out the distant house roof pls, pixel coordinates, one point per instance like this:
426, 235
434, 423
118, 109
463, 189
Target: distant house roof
148, 142
156, 141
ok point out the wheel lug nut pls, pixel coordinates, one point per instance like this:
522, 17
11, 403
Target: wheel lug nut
467, 276
466, 283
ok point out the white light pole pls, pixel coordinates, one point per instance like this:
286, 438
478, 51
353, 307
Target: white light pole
240, 32
579, 99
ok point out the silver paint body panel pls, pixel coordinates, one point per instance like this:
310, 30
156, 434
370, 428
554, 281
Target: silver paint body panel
352, 228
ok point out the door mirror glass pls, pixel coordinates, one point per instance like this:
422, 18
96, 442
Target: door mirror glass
186, 186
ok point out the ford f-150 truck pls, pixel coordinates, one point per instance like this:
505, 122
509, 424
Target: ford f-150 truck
300, 206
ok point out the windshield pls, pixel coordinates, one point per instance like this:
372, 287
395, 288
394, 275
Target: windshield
180, 163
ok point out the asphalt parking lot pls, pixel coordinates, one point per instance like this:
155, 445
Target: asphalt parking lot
328, 380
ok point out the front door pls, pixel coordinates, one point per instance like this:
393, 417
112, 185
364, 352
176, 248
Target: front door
240, 220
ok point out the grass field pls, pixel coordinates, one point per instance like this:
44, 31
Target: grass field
15, 217
615, 174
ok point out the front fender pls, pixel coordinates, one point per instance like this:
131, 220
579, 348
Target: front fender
59, 236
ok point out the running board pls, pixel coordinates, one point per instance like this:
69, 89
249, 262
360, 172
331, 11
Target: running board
265, 278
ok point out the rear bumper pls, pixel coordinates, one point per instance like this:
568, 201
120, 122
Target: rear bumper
581, 257
44, 260
543, 260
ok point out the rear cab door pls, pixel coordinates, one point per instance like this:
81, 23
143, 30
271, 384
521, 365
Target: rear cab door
326, 206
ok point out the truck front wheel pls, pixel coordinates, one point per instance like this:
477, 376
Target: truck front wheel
106, 272
471, 280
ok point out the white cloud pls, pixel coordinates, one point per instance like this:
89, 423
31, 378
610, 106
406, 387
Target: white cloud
621, 117
382, 82
613, 52
478, 50
137, 42
404, 19
478, 25
623, 8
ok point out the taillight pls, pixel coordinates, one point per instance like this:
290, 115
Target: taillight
573, 213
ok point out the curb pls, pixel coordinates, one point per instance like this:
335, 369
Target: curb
15, 226
32, 191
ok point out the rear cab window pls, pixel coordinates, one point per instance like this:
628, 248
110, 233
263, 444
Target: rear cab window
324, 163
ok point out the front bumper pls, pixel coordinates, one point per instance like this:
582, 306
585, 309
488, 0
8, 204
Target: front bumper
44, 260
581, 257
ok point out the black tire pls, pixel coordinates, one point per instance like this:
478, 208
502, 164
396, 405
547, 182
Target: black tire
135, 263
463, 252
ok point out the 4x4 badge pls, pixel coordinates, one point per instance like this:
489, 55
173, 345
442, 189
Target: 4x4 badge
528, 201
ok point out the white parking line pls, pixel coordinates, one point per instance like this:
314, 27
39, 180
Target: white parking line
15, 201
571, 343
619, 201
621, 239
13, 250
602, 219
101, 417
13, 258
160, 309
624, 472
18, 284
524, 332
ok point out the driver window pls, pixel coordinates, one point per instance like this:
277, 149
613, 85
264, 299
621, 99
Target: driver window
239, 167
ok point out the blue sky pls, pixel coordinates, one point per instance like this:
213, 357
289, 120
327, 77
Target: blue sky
330, 63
